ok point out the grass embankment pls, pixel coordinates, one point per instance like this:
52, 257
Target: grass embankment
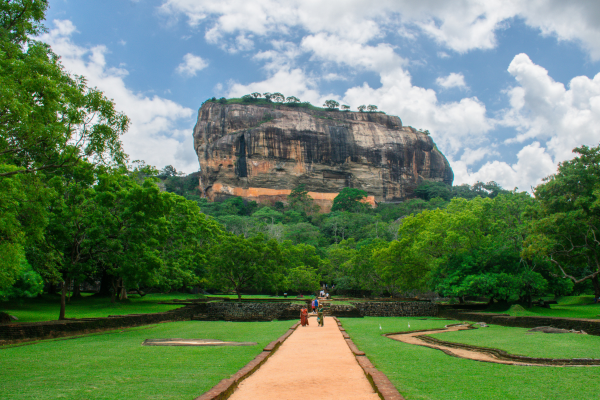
116, 365
519, 341
567, 307
47, 307
423, 373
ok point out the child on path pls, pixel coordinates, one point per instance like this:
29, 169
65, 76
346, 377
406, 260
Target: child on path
315, 304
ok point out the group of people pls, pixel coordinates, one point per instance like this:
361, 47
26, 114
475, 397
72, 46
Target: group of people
316, 308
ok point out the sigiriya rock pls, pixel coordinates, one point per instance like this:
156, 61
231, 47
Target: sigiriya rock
262, 152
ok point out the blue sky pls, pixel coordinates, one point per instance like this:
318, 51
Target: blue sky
507, 88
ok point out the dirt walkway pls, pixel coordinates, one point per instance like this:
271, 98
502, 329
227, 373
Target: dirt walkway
313, 363
471, 353
412, 338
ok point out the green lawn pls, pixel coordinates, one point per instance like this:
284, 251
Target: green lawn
567, 307
47, 307
423, 373
519, 341
116, 366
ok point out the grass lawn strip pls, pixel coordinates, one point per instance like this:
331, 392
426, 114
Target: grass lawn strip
424, 373
531, 344
567, 307
116, 365
47, 307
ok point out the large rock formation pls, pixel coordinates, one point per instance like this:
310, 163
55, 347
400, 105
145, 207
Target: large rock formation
262, 152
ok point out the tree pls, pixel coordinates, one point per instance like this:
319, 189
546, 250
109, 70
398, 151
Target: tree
267, 96
299, 200
428, 190
371, 108
362, 108
28, 283
48, 119
349, 199
567, 224
278, 97
303, 279
345, 107
292, 100
256, 95
331, 104
237, 263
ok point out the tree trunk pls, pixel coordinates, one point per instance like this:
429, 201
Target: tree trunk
113, 291
123, 292
76, 290
105, 284
596, 285
63, 297
239, 294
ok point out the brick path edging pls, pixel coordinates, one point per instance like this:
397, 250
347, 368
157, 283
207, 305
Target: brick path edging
226, 387
380, 382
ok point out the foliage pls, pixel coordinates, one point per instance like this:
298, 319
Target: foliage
303, 279
331, 104
238, 263
349, 199
28, 283
567, 223
371, 108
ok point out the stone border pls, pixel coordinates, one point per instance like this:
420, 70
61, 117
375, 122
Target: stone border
226, 387
33, 331
379, 381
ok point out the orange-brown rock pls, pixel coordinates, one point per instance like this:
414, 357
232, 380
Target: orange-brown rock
262, 152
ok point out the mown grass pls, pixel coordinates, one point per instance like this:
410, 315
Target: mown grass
423, 373
116, 366
47, 307
567, 307
520, 341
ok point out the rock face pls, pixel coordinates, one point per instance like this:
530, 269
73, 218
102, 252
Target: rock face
262, 152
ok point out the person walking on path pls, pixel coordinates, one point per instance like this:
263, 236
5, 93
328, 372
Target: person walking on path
320, 315
304, 317
315, 304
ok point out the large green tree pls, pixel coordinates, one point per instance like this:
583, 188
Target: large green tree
567, 223
349, 199
50, 122
237, 263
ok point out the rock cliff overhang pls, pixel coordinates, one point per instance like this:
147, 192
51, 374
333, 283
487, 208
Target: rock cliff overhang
262, 152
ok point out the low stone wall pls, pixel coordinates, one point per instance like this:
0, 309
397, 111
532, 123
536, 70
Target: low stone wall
50, 329
590, 326
397, 309
230, 311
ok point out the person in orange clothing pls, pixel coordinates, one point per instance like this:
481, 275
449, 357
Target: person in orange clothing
304, 317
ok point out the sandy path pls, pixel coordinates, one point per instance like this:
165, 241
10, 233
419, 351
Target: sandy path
482, 355
313, 363
412, 338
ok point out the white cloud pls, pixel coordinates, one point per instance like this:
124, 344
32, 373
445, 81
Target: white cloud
533, 163
155, 134
289, 82
459, 26
452, 80
558, 119
191, 65
544, 109
331, 48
